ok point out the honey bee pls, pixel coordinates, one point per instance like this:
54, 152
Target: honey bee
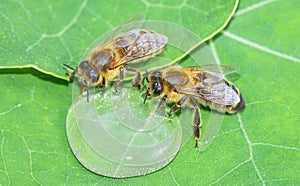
109, 59
185, 85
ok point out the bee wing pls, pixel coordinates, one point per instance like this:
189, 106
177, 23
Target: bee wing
222, 69
115, 37
212, 87
139, 44
132, 23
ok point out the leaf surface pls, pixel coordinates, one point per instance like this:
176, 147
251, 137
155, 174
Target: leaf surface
258, 146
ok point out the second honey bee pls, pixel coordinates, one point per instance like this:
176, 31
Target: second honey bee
185, 85
109, 59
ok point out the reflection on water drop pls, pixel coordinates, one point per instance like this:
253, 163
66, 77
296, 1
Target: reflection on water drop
121, 151
129, 157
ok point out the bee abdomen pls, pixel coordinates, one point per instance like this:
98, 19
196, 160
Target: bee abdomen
238, 106
227, 108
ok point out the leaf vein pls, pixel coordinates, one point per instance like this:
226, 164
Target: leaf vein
230, 171
171, 173
2, 156
250, 149
63, 30
10, 23
254, 6
276, 146
260, 47
160, 5
276, 103
30, 160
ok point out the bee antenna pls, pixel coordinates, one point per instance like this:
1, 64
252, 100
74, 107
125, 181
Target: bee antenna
145, 77
146, 73
68, 66
69, 74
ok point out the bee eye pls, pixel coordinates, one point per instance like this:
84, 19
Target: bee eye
93, 76
84, 64
157, 89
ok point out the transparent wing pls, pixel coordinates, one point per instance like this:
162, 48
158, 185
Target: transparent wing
222, 69
112, 38
212, 87
133, 43
133, 22
146, 44
109, 39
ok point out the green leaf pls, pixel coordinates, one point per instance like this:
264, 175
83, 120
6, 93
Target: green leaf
44, 35
258, 146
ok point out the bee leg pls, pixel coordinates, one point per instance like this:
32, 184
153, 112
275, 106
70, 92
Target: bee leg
103, 83
146, 95
145, 78
136, 82
162, 102
87, 95
176, 106
197, 124
121, 77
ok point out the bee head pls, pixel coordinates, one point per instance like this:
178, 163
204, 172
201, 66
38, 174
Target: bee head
155, 84
86, 74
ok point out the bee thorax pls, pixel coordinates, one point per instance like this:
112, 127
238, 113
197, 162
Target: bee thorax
101, 59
